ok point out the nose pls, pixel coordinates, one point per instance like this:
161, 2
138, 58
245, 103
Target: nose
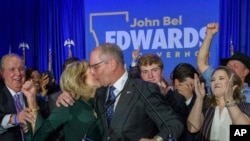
92, 71
150, 74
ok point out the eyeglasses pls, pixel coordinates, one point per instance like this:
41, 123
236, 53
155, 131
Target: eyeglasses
95, 66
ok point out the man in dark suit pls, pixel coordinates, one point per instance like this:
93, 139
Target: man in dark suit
139, 110
13, 116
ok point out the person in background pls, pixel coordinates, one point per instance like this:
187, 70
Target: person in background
133, 102
69, 61
77, 119
39, 81
212, 115
239, 62
183, 83
14, 114
151, 69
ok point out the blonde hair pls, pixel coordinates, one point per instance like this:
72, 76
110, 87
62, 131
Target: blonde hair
73, 80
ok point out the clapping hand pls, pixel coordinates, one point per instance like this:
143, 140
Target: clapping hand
199, 87
228, 96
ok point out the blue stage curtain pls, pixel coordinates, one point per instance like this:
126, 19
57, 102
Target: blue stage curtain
245, 27
234, 26
46, 24
59, 21
43, 25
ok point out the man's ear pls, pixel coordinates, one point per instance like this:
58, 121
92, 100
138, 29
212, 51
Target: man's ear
176, 82
113, 64
246, 72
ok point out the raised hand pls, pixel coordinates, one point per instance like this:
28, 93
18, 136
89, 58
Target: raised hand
228, 95
199, 87
212, 28
163, 87
136, 54
29, 90
43, 83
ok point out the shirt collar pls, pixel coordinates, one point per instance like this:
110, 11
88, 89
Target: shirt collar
119, 84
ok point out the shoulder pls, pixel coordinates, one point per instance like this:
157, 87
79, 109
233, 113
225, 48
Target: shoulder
3, 95
245, 107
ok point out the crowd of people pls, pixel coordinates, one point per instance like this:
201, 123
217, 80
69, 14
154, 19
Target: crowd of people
102, 100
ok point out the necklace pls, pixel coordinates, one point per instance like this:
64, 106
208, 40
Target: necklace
92, 108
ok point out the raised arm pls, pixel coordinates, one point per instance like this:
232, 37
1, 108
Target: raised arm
29, 91
202, 58
237, 115
196, 118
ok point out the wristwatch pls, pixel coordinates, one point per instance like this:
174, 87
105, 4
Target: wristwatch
158, 138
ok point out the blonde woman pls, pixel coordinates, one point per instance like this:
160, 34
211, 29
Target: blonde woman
213, 115
77, 119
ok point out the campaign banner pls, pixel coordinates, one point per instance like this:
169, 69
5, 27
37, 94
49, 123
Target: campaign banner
172, 29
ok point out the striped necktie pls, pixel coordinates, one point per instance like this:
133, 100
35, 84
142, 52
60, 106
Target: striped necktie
18, 104
111, 101
19, 108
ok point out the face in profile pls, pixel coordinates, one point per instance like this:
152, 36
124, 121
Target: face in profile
219, 82
91, 80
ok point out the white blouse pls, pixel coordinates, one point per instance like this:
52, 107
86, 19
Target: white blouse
220, 130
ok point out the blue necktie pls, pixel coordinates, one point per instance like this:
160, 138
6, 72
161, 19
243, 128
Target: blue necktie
111, 101
18, 104
19, 108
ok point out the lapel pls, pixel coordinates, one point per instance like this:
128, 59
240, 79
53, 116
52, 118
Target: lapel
10, 104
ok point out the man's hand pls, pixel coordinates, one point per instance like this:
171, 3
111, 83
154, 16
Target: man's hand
65, 99
24, 116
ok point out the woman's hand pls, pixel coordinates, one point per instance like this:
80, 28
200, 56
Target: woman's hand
229, 90
43, 83
199, 87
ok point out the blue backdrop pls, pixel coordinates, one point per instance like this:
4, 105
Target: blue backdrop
46, 24
172, 29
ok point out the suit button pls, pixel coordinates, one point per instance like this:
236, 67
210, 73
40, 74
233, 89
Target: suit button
108, 137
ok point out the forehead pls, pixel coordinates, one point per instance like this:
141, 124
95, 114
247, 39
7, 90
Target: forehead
13, 62
94, 56
149, 67
237, 62
220, 73
35, 72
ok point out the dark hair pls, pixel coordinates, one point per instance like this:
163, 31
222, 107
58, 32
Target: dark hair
28, 72
183, 71
69, 60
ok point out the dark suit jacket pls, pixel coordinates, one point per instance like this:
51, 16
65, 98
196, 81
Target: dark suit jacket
7, 106
134, 117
